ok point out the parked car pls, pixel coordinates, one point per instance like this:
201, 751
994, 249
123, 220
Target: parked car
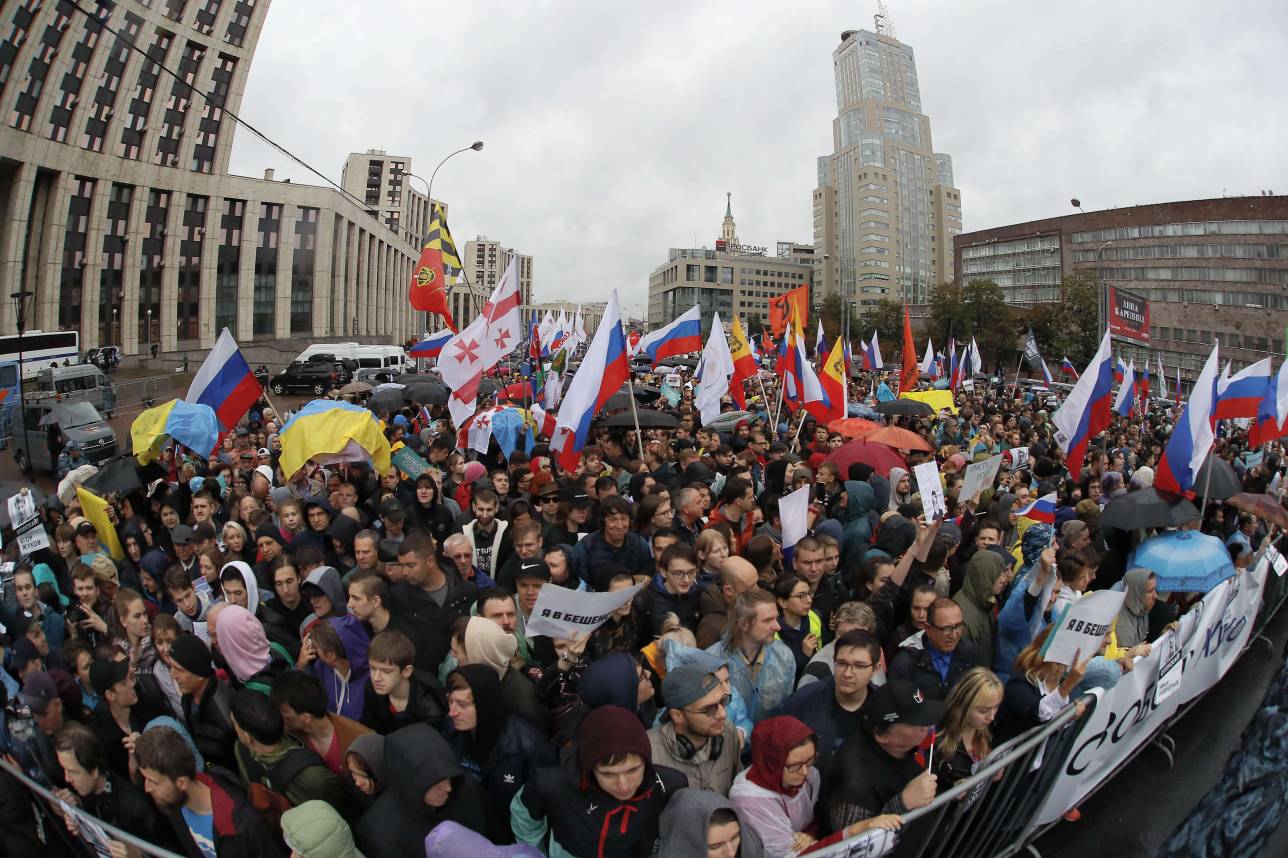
76, 421
314, 376
348, 366
106, 358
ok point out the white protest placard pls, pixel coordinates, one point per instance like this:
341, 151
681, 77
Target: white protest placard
31, 536
559, 611
1082, 627
979, 476
1277, 561
793, 512
673, 379
931, 489
22, 506
1019, 457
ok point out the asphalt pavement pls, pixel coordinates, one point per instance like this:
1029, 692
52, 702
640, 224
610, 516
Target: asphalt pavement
1137, 811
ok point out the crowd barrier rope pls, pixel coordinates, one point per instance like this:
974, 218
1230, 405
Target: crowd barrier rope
1027, 783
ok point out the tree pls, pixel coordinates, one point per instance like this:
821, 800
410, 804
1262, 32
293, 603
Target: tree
832, 312
978, 310
1070, 326
886, 317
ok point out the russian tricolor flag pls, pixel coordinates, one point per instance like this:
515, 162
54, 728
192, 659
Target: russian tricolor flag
682, 336
1126, 391
1272, 417
1042, 509
1066, 368
1119, 371
872, 355
1192, 438
432, 345
1241, 394
602, 373
225, 382
1086, 411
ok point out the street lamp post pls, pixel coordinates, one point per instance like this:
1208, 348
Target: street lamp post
20, 300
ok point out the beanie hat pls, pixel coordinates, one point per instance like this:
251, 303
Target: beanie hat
190, 653
270, 530
606, 732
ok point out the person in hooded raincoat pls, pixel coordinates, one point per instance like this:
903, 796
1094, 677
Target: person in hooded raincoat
987, 575
700, 821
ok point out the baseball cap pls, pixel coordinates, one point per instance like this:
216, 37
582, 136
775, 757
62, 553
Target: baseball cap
265, 452
38, 691
687, 683
901, 702
265, 471
24, 652
533, 569
104, 673
576, 496
85, 528
242, 432
181, 535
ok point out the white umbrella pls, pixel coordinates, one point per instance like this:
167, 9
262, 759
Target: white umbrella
67, 488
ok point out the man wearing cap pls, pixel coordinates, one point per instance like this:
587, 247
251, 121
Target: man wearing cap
207, 700
530, 576
525, 536
876, 771
118, 718
40, 695
185, 550
87, 539
547, 501
394, 519
261, 480
696, 735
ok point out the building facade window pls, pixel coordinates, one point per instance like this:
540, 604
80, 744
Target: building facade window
105, 95
212, 114
151, 265
72, 282
111, 284
239, 23
265, 291
204, 20
144, 91
190, 243
24, 106
228, 265
60, 115
303, 263
176, 108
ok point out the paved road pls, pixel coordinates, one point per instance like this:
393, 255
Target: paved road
1140, 808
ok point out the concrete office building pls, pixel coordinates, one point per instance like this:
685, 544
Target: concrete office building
382, 182
117, 210
592, 313
485, 262
1210, 269
885, 208
733, 279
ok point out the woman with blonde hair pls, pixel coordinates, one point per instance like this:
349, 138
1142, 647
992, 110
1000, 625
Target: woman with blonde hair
966, 737
1038, 689
236, 544
713, 549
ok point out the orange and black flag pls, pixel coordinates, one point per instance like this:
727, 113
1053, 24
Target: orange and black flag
439, 261
780, 309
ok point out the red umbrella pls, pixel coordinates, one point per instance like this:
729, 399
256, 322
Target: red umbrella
900, 439
853, 427
881, 457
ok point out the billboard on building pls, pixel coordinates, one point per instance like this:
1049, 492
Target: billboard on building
1128, 315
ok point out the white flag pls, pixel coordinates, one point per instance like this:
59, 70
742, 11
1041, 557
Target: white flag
716, 365
493, 334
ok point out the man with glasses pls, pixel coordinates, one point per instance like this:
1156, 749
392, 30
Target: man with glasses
674, 590
945, 656
831, 707
696, 735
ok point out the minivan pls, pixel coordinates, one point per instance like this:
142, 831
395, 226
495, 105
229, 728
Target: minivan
83, 382
75, 421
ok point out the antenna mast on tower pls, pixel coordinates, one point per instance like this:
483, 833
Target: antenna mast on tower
885, 27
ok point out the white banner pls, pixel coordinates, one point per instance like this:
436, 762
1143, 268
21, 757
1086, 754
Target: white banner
559, 610
1082, 626
1210, 638
931, 489
32, 536
979, 476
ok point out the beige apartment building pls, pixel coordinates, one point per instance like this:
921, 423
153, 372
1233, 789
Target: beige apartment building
733, 279
117, 210
885, 208
383, 183
485, 262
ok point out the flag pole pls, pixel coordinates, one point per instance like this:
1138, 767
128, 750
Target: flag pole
635, 415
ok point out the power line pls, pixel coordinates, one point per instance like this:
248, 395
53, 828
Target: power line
102, 24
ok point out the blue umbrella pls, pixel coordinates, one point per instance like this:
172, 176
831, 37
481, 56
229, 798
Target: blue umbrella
1185, 561
858, 409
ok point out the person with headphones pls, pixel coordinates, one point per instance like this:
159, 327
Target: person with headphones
697, 736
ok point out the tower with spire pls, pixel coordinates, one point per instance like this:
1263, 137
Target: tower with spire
728, 232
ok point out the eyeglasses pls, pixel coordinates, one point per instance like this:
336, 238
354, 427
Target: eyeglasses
800, 767
686, 575
955, 629
710, 710
806, 596
855, 666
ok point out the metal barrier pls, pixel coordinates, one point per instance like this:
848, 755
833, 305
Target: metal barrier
50, 824
986, 814
137, 394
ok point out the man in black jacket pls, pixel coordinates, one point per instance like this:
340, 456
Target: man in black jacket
944, 656
426, 599
398, 694
206, 702
104, 794
208, 808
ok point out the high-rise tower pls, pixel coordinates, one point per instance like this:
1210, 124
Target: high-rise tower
885, 209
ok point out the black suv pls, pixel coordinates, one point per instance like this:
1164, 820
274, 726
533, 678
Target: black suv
316, 377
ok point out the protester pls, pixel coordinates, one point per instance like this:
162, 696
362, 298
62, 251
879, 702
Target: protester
699, 821
696, 736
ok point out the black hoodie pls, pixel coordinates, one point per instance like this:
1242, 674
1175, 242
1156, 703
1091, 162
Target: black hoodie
417, 757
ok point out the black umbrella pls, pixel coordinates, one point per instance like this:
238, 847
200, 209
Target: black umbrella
409, 377
119, 474
389, 399
619, 401
1216, 479
649, 419
1146, 508
488, 387
904, 408
425, 392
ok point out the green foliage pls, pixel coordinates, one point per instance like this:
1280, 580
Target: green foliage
975, 310
832, 312
886, 317
1069, 327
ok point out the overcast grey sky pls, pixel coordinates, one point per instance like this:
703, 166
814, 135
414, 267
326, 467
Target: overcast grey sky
613, 130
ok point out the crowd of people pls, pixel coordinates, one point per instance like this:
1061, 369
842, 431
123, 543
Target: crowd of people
335, 662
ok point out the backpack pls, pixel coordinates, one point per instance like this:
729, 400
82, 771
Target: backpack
270, 798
